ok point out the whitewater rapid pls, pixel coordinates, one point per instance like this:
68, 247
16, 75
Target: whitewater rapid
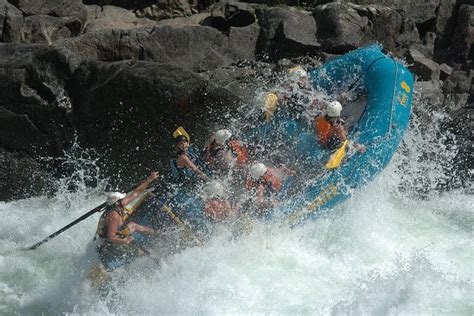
398, 246
379, 253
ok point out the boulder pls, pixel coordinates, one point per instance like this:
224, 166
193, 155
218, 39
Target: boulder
126, 4
462, 44
445, 71
225, 15
33, 100
166, 9
195, 19
426, 47
48, 29
340, 27
418, 11
458, 81
286, 33
22, 177
425, 68
444, 17
11, 20
109, 17
244, 39
190, 47
56, 8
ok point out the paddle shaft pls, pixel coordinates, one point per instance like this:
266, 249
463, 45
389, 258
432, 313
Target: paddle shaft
83, 217
178, 220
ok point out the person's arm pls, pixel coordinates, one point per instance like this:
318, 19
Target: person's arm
134, 227
184, 160
359, 147
260, 193
114, 221
341, 132
136, 192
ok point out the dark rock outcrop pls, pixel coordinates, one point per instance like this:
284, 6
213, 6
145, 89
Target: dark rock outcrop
286, 33
191, 47
110, 17
11, 20
117, 77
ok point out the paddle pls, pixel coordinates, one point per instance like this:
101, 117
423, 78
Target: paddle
80, 219
178, 221
99, 208
336, 158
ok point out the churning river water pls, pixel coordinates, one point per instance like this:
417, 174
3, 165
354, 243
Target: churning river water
396, 247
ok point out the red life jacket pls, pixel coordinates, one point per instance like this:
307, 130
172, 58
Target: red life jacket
327, 132
324, 129
272, 180
239, 152
217, 209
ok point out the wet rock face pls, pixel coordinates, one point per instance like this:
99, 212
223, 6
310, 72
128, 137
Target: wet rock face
117, 77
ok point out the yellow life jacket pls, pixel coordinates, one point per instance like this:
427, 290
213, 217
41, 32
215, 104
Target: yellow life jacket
102, 225
125, 214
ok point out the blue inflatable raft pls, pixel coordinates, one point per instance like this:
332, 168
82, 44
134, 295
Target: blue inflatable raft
386, 87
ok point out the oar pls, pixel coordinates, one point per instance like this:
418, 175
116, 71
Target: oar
80, 219
99, 208
336, 158
178, 221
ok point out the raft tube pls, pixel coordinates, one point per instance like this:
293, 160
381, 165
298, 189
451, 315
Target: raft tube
389, 88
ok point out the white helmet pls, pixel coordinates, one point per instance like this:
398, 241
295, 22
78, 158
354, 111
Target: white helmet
297, 73
214, 189
222, 136
257, 170
114, 197
333, 109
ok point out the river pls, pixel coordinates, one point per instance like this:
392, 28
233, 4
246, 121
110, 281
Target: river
399, 246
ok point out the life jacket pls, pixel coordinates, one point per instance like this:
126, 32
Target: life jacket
326, 132
238, 151
185, 174
271, 180
102, 225
217, 209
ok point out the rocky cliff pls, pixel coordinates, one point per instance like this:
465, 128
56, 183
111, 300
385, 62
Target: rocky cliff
117, 77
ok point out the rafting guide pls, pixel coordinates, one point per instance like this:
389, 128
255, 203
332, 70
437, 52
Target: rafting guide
115, 241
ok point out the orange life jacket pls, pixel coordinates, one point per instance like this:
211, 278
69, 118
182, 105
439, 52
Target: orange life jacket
217, 209
272, 180
239, 152
324, 129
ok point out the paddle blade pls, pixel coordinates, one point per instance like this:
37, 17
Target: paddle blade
181, 131
336, 158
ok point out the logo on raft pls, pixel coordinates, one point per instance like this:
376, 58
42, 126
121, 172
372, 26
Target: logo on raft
403, 97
